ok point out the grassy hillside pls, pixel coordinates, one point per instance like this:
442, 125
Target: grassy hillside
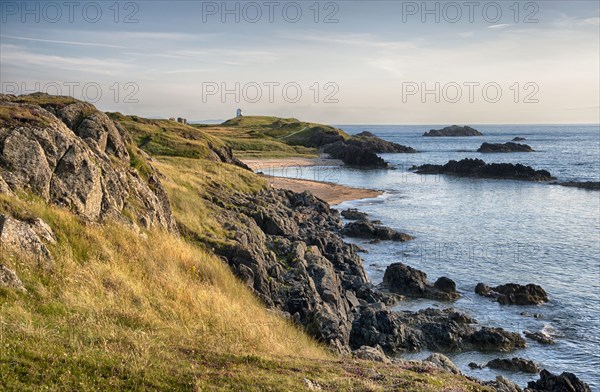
269, 137
123, 308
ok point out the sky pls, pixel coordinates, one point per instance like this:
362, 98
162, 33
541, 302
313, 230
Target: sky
337, 62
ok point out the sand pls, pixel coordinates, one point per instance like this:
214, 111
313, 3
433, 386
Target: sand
332, 193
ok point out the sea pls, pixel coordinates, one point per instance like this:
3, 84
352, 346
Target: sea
495, 232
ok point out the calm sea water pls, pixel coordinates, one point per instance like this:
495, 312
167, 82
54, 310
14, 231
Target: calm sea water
495, 231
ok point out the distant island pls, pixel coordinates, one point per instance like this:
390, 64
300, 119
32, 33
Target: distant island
454, 131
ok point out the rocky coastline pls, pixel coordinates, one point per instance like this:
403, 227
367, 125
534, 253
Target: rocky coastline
476, 168
453, 131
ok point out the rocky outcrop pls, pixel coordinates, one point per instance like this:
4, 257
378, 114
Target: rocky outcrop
514, 365
74, 156
514, 294
8, 278
519, 139
476, 168
455, 131
370, 230
565, 382
539, 337
506, 147
321, 136
589, 185
362, 150
502, 384
430, 329
402, 279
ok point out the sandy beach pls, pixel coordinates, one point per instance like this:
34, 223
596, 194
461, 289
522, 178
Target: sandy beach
328, 191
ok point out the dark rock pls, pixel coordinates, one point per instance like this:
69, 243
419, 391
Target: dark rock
454, 130
445, 284
474, 365
519, 139
402, 279
497, 339
539, 337
514, 365
502, 384
566, 382
354, 214
506, 147
362, 150
366, 229
514, 294
365, 133
476, 168
588, 185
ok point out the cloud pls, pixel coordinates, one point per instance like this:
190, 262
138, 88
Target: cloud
499, 26
54, 41
466, 34
589, 22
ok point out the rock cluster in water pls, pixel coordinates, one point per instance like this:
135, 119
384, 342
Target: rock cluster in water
514, 294
454, 130
402, 279
506, 147
476, 168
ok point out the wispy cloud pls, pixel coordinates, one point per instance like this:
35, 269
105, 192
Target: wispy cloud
466, 34
55, 41
499, 26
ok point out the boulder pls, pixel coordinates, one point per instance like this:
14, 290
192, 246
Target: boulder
513, 294
514, 365
371, 354
443, 362
454, 131
502, 384
506, 147
405, 280
565, 382
8, 278
496, 339
369, 230
21, 237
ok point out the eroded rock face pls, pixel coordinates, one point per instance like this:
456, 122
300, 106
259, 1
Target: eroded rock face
443, 362
74, 156
565, 382
514, 294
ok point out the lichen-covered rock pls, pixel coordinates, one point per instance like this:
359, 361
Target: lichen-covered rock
443, 362
371, 354
74, 156
21, 237
8, 278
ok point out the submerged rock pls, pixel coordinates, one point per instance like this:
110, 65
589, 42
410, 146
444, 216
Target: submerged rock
589, 185
514, 365
539, 337
476, 168
565, 382
506, 147
519, 139
514, 294
454, 130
